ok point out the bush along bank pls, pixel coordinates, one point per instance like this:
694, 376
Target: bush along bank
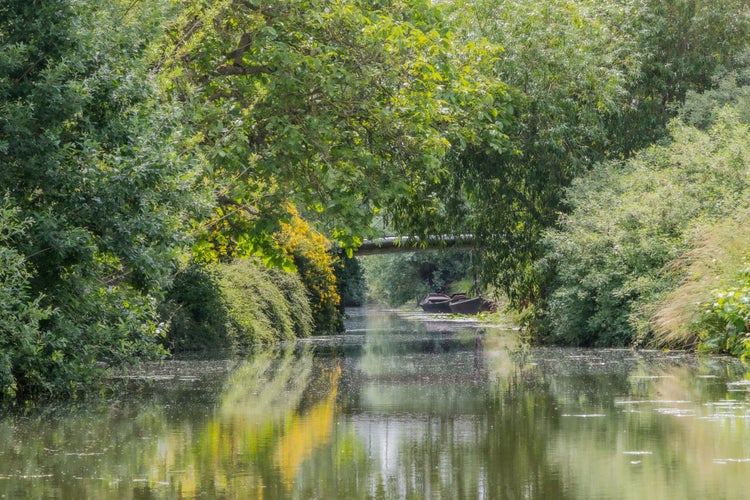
235, 305
725, 322
653, 250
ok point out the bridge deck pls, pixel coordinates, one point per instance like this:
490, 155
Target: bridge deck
398, 244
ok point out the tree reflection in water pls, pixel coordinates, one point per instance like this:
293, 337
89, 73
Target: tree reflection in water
397, 408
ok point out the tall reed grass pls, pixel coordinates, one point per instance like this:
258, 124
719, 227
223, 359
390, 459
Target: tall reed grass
719, 256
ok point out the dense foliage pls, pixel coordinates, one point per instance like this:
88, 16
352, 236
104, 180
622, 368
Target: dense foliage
136, 137
345, 109
91, 172
350, 281
264, 305
590, 80
395, 280
626, 243
20, 314
725, 325
195, 311
234, 306
681, 46
311, 254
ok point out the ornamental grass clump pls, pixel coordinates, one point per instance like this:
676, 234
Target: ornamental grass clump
712, 265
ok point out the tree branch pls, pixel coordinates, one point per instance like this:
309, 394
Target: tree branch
250, 70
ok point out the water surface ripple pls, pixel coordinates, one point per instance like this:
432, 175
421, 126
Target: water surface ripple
401, 406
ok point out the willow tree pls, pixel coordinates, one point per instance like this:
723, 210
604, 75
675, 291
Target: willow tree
345, 109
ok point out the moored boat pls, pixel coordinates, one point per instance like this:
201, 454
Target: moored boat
469, 306
436, 303
440, 302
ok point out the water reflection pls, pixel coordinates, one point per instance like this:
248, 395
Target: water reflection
398, 408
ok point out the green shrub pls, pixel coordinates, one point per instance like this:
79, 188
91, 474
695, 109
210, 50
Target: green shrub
617, 254
297, 299
725, 324
195, 311
235, 305
259, 311
20, 335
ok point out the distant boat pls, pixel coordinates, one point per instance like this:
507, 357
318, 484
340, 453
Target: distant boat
469, 306
439, 302
436, 303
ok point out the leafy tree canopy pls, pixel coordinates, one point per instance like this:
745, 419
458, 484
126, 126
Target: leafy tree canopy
91, 171
568, 66
591, 80
344, 108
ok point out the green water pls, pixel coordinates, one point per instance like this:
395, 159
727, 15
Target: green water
399, 407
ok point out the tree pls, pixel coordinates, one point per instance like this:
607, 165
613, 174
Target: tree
311, 254
90, 164
567, 65
682, 47
591, 81
345, 109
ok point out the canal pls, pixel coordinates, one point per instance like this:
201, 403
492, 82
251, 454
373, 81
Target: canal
401, 406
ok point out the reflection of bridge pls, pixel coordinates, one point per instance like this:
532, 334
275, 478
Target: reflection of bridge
396, 244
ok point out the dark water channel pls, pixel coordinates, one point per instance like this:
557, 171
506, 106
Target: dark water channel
399, 407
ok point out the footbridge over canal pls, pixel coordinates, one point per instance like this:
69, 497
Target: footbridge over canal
397, 244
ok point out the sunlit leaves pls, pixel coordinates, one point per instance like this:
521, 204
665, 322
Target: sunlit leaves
309, 252
342, 106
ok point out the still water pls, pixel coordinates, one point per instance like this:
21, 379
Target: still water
399, 407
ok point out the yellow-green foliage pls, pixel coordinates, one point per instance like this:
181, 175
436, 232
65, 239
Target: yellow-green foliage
234, 305
263, 305
315, 264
